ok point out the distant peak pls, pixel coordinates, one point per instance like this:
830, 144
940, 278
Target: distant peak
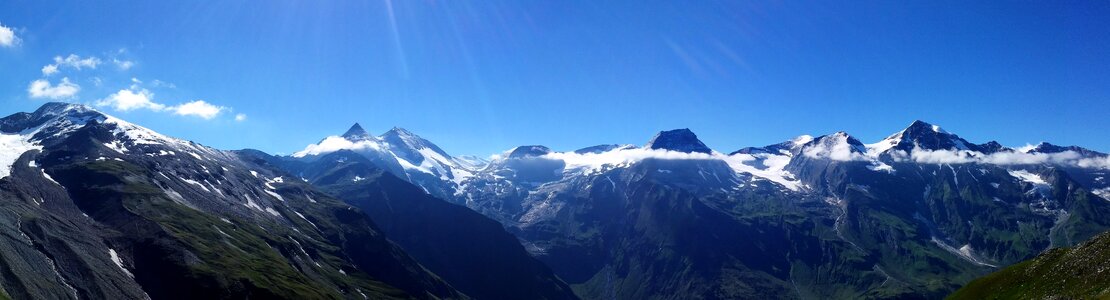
992, 147
602, 148
836, 137
1045, 147
529, 151
681, 140
399, 131
919, 125
921, 134
61, 107
356, 132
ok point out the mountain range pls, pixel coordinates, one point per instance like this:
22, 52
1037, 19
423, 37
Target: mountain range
96, 207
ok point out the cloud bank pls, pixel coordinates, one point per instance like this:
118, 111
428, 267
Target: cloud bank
336, 143
925, 156
1066, 158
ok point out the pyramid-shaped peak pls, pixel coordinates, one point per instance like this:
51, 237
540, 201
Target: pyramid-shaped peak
681, 140
921, 134
356, 133
922, 126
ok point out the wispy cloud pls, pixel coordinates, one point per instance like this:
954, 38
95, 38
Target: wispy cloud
42, 88
123, 64
8, 38
240, 117
72, 61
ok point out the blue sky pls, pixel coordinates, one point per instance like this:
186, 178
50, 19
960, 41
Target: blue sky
479, 77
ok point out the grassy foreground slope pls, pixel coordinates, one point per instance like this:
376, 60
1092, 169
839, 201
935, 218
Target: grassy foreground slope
1080, 272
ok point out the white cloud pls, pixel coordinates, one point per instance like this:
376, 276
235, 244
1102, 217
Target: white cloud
7, 37
123, 64
198, 108
49, 70
42, 88
131, 99
240, 117
135, 97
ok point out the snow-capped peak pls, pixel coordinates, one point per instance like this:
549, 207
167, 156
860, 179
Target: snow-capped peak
788, 148
22, 132
921, 135
837, 146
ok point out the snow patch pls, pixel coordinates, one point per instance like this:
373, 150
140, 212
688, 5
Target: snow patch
12, 146
1104, 193
275, 195
119, 262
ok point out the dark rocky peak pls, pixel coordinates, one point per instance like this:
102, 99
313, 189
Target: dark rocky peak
681, 140
927, 136
356, 133
993, 147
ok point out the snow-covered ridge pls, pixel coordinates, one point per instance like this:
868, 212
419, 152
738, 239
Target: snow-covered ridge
414, 155
591, 163
58, 120
837, 147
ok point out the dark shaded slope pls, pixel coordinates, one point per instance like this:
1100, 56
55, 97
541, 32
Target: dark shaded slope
471, 252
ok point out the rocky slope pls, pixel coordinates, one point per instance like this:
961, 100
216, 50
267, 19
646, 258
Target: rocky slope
95, 207
915, 215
